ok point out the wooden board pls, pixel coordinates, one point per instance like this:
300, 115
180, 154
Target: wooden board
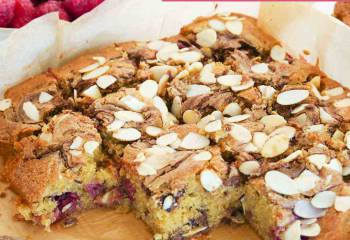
99, 224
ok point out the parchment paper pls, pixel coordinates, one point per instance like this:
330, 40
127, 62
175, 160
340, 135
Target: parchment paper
48, 42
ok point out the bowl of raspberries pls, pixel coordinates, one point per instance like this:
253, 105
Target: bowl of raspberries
17, 13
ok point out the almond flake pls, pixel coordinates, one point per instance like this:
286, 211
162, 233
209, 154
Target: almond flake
167, 139
242, 87
158, 71
77, 143
193, 141
308, 221
237, 118
205, 120
314, 128
45, 97
181, 75
319, 160
146, 170
187, 57
259, 139
210, 180
95, 73
91, 146
191, 116
318, 94
249, 167
250, 148
292, 97
105, 81
232, 109
278, 53
129, 116
342, 103
217, 25
306, 181
163, 84
266, 91
285, 130
272, 122
230, 80
156, 44
5, 104
206, 38
299, 108
92, 92
115, 125
160, 105
89, 68
31, 111
196, 90
148, 89
100, 60
260, 68
280, 183
275, 146
311, 230
335, 165
176, 144
326, 117
75, 153
206, 75
176, 106
195, 67
167, 51
132, 103
235, 27
127, 134
240, 133
293, 231
294, 155
323, 199
342, 203
168, 202
333, 92
304, 209
213, 126
153, 131
202, 156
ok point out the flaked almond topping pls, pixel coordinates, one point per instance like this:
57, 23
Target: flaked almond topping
163, 84
92, 92
182, 74
187, 57
230, 80
250, 148
5, 104
304, 209
292, 97
217, 25
205, 120
311, 230
306, 181
206, 75
169, 120
338, 135
323, 199
285, 130
342, 203
145, 169
216, 114
140, 157
191, 116
158, 71
159, 150
176, 106
47, 137
319, 160
249, 167
240, 133
266, 91
31, 111
89, 68
77, 143
213, 126
194, 141
167, 51
45, 97
132, 103
308, 221
278, 53
275, 146
335, 165
210, 180
299, 108
260, 68
206, 38
326, 117
160, 105
280, 183
314, 128
148, 89
234, 27
195, 90
316, 81
75, 153
176, 144
333, 92
237, 118
105, 81
91, 146
101, 60
195, 67
153, 131
342, 103
259, 139
168, 202
128, 116
242, 87
95, 73
127, 134
167, 139
318, 94
232, 109
293, 231
202, 156
272, 122
115, 125
156, 44
294, 155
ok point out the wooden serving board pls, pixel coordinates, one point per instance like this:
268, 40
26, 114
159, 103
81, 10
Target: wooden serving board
99, 224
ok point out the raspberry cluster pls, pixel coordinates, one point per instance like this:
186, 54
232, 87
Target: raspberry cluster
17, 13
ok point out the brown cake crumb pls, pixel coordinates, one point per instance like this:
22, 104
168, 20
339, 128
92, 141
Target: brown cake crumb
342, 11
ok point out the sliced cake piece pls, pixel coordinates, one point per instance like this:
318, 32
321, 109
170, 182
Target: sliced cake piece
183, 186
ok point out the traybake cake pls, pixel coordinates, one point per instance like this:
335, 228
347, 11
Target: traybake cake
214, 124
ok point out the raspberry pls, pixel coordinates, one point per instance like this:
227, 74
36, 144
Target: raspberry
52, 6
78, 7
24, 13
7, 8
